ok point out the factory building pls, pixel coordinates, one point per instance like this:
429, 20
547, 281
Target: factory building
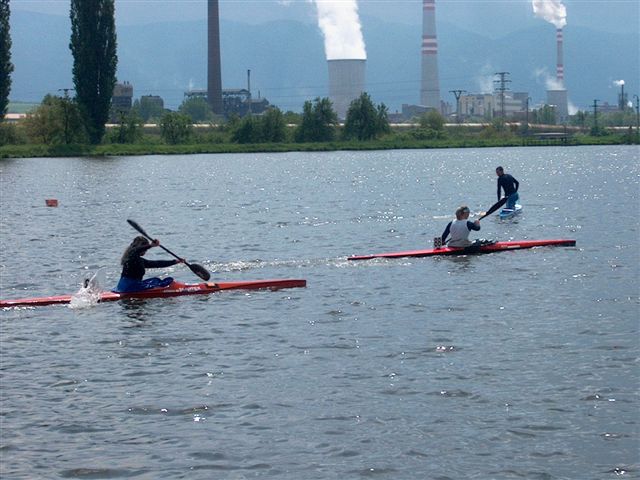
121, 101
235, 101
487, 106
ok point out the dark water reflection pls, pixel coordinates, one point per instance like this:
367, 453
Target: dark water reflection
514, 365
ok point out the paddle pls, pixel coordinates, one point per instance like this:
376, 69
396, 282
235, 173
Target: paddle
495, 207
199, 270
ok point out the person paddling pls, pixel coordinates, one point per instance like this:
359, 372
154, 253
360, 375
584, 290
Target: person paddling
134, 267
460, 229
510, 186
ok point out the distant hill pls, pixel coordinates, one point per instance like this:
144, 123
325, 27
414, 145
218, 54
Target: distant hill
287, 62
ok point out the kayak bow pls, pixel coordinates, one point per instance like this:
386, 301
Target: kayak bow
174, 290
494, 247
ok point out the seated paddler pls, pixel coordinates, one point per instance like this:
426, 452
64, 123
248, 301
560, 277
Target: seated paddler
459, 229
134, 266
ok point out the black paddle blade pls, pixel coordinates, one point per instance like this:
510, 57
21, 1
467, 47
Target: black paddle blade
200, 271
137, 227
495, 207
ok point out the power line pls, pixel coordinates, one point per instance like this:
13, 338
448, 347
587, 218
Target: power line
501, 89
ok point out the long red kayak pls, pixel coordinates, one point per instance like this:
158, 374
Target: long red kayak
494, 247
174, 290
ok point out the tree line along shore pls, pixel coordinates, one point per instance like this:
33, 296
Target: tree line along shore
248, 136
57, 128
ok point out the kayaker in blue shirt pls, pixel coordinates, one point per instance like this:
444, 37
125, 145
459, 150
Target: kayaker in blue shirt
133, 267
510, 186
460, 229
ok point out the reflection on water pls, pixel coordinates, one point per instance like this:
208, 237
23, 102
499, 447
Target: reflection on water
134, 309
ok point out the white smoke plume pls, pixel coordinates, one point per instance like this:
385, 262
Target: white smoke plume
553, 11
340, 24
550, 82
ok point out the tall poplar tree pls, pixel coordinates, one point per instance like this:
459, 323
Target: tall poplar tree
6, 67
93, 45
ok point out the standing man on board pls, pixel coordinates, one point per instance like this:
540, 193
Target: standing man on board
510, 186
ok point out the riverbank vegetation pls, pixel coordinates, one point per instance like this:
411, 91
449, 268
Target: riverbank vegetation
55, 128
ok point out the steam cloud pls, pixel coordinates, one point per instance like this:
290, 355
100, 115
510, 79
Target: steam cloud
551, 83
340, 25
553, 11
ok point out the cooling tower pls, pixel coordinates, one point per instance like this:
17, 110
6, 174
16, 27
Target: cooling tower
346, 83
558, 99
214, 71
560, 61
430, 85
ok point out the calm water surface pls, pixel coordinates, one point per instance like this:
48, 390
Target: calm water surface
515, 365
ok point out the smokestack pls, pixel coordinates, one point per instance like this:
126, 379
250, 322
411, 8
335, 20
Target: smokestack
214, 71
557, 94
346, 83
430, 85
560, 61
622, 102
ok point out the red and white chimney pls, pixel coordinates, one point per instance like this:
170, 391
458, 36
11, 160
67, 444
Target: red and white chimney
560, 64
430, 84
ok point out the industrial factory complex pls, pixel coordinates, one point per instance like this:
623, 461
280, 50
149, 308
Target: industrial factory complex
347, 80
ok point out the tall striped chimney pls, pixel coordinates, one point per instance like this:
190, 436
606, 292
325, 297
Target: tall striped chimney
560, 64
430, 84
214, 71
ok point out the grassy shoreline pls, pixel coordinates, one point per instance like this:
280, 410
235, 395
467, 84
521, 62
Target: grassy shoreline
113, 149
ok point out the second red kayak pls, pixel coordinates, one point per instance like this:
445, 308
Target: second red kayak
491, 248
174, 290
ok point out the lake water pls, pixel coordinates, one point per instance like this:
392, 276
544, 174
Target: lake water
522, 364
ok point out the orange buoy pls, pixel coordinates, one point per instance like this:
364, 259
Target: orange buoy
51, 202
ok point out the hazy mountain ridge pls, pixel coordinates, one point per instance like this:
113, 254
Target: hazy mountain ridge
288, 66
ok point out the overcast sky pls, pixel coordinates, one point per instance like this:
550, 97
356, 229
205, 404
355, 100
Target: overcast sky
484, 16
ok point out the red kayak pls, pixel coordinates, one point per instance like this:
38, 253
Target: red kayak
490, 248
174, 290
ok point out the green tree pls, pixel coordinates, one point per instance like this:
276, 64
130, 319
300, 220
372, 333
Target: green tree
273, 127
56, 121
93, 46
431, 126
269, 127
129, 129
148, 108
318, 123
433, 120
292, 118
545, 115
196, 108
175, 128
364, 120
579, 119
249, 130
6, 67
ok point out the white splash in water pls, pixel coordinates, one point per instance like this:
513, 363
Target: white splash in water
89, 293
